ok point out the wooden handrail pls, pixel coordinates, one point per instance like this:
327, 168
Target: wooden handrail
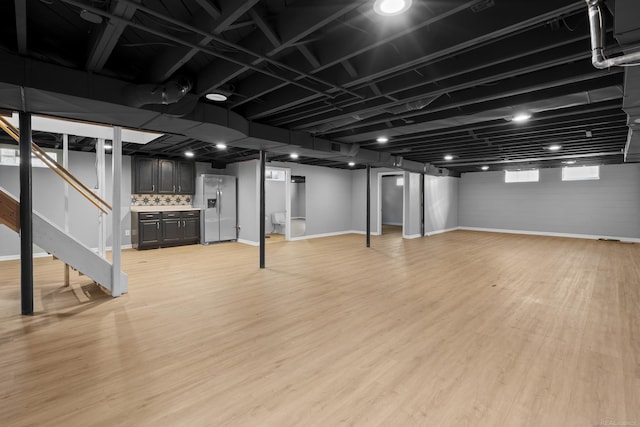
9, 211
67, 176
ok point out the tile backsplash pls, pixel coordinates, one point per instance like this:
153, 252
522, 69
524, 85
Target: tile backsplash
161, 200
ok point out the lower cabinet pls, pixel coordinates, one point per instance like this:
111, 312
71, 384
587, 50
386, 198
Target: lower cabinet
162, 229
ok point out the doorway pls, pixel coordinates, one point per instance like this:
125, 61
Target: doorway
391, 203
277, 203
298, 206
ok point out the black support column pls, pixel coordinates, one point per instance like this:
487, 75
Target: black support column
26, 231
422, 227
263, 156
368, 206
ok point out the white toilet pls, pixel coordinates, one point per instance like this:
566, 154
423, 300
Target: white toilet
278, 219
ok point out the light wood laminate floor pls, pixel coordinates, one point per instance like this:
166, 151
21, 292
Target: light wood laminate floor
458, 329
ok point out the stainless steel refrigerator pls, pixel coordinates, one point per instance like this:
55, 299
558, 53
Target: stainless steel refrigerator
216, 196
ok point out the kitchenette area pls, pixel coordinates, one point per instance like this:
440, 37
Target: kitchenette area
171, 206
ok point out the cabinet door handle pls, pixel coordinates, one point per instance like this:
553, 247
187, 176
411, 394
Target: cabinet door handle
174, 188
153, 188
178, 224
158, 225
179, 188
184, 223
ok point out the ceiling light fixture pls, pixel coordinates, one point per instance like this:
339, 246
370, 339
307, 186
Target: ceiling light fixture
448, 157
352, 164
569, 162
391, 7
485, 168
521, 117
189, 154
216, 96
221, 146
554, 147
382, 139
294, 155
90, 17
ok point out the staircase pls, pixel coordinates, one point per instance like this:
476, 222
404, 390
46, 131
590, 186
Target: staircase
55, 241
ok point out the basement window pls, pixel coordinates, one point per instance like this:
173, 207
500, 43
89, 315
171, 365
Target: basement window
529, 175
580, 173
11, 157
274, 175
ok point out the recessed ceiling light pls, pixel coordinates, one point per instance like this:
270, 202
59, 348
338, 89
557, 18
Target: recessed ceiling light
294, 155
352, 163
485, 168
448, 157
570, 162
521, 117
189, 154
218, 97
382, 139
554, 147
221, 146
391, 7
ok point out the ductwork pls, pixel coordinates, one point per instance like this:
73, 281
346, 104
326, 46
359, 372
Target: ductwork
596, 22
627, 32
166, 93
631, 106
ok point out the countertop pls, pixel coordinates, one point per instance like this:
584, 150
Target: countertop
162, 208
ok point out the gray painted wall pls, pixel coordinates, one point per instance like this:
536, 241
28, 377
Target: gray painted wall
248, 203
412, 226
328, 207
606, 207
48, 199
441, 203
298, 199
391, 200
359, 199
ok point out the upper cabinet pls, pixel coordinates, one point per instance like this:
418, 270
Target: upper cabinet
145, 175
163, 176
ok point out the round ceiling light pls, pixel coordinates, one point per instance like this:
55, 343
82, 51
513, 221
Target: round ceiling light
189, 154
382, 139
521, 117
218, 97
485, 168
221, 146
352, 164
448, 157
391, 7
294, 155
554, 147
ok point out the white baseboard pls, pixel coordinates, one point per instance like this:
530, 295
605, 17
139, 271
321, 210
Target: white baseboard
373, 233
552, 234
411, 236
44, 254
248, 242
446, 230
315, 236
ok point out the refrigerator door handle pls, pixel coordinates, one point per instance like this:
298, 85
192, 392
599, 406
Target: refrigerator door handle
219, 200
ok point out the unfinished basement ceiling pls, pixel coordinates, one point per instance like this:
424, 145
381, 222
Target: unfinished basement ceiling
445, 78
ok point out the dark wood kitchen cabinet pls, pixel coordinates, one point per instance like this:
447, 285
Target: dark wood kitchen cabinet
163, 176
164, 229
145, 175
146, 230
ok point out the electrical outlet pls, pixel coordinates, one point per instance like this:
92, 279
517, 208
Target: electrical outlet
127, 232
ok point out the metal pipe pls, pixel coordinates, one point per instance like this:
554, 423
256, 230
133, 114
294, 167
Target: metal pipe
368, 206
263, 156
26, 224
597, 46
